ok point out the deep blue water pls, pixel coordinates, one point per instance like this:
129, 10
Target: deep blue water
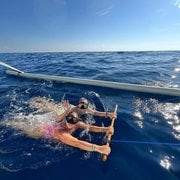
141, 116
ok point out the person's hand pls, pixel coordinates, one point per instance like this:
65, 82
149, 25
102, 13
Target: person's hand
112, 115
110, 130
105, 149
66, 105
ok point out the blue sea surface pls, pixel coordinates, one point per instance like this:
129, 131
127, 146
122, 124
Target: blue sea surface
141, 117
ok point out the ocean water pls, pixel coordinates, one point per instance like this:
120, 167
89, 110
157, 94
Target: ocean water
141, 117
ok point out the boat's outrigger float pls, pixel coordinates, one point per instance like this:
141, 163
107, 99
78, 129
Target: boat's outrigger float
108, 84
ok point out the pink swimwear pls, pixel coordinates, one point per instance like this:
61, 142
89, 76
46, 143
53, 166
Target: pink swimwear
48, 129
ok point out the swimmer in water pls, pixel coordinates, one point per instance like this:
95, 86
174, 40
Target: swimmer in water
63, 130
84, 107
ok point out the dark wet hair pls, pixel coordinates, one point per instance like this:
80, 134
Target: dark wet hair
82, 99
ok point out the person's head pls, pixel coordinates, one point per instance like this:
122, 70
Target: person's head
83, 103
72, 118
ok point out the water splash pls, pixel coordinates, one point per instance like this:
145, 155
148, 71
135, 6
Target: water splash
19, 151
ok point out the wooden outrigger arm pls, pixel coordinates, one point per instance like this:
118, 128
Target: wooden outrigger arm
108, 139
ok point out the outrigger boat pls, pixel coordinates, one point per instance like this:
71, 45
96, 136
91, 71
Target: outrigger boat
99, 83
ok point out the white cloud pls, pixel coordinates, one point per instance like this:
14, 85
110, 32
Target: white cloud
177, 3
105, 11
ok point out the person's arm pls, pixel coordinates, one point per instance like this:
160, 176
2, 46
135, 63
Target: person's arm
99, 113
67, 108
72, 141
92, 128
62, 116
104, 114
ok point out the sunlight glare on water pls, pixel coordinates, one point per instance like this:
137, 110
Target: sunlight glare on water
165, 162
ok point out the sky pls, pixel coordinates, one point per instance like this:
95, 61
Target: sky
89, 25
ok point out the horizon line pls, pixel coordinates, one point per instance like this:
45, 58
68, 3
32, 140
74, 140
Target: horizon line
89, 51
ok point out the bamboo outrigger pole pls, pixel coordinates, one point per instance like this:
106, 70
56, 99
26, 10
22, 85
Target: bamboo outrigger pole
108, 139
99, 83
